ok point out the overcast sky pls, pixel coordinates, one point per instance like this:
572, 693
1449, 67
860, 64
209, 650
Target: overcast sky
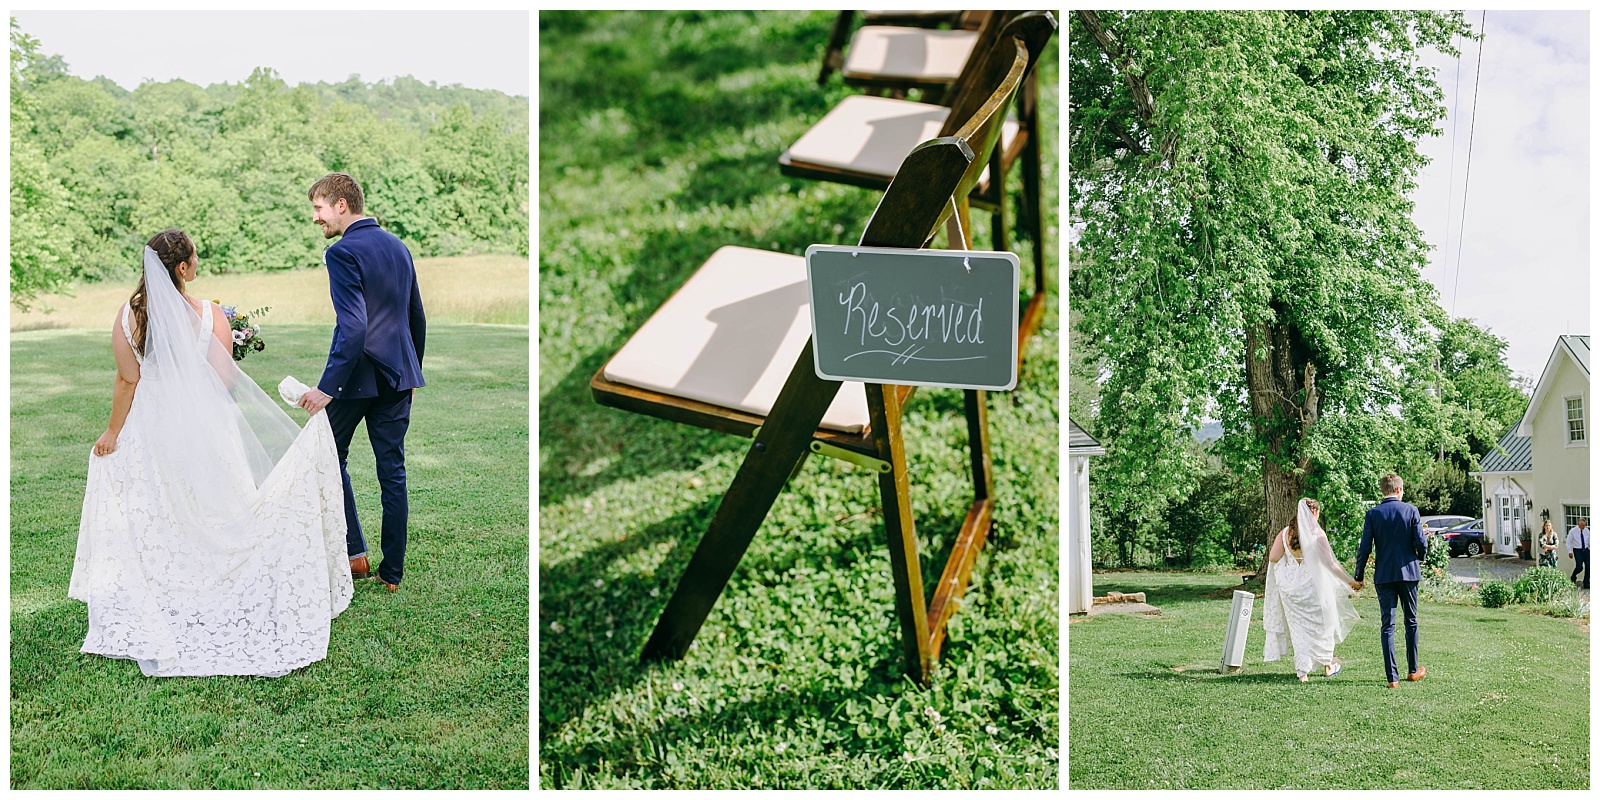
1524, 254
477, 49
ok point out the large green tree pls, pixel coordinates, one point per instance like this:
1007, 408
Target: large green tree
1240, 181
96, 169
40, 261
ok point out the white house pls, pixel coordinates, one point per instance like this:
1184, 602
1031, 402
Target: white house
1080, 558
1541, 468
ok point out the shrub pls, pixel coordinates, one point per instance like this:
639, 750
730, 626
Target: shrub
1210, 556
1438, 558
1436, 569
1495, 593
1541, 585
1570, 605
1253, 559
1446, 591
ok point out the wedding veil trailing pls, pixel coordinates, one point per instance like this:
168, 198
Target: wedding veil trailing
206, 410
1338, 613
212, 539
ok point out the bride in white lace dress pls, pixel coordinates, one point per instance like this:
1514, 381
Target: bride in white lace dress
1307, 605
212, 540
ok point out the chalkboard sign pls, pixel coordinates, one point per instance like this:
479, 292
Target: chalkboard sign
917, 317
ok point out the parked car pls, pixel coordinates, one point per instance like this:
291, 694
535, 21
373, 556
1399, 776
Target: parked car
1439, 522
1466, 539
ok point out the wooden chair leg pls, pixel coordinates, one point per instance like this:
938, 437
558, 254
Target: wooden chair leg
1031, 213
782, 442
833, 56
1032, 198
997, 186
977, 408
894, 488
957, 572
974, 529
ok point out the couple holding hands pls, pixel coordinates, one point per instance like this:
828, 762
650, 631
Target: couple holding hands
1308, 609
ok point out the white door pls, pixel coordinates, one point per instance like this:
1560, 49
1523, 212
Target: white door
1509, 529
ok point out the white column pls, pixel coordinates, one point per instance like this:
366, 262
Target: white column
1080, 576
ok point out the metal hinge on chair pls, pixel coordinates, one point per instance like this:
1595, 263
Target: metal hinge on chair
849, 455
831, 451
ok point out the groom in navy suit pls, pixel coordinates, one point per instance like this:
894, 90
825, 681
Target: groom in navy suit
375, 362
1394, 528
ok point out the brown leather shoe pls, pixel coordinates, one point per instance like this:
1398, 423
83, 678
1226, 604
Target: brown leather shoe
392, 587
1394, 684
359, 568
1418, 675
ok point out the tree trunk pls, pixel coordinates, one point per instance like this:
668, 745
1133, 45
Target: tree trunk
1124, 541
1284, 400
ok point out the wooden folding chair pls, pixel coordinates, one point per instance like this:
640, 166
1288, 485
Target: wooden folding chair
896, 53
862, 141
714, 355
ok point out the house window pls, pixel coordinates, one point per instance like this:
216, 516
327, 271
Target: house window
1572, 513
1575, 434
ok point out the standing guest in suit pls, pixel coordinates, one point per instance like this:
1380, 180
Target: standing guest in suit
1394, 529
375, 361
1578, 546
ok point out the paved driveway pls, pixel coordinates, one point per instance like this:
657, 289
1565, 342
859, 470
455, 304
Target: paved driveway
1472, 571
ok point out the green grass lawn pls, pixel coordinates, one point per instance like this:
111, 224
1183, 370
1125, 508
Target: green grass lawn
1505, 704
424, 688
659, 139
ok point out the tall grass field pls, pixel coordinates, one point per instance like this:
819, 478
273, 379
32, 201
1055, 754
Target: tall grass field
426, 688
659, 139
476, 289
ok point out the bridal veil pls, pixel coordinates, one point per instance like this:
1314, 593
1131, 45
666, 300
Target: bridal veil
212, 539
1330, 579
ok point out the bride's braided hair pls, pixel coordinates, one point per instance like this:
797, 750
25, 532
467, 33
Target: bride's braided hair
173, 247
1294, 524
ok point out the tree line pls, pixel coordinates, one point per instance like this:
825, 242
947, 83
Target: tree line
1240, 184
97, 169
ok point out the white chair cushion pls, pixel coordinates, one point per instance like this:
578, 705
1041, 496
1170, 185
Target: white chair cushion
873, 135
892, 52
729, 337
929, 13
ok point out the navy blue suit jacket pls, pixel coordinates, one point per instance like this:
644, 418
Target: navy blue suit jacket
380, 326
1395, 529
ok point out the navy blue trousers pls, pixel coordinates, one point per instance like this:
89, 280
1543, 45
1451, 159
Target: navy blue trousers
1403, 593
1580, 563
387, 416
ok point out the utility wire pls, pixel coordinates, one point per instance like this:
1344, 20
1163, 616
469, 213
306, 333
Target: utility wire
1450, 182
1472, 129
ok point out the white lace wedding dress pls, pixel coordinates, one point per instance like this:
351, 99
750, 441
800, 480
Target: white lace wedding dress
1294, 616
190, 563
1307, 610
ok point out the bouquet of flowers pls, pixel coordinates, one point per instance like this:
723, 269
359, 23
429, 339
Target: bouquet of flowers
246, 335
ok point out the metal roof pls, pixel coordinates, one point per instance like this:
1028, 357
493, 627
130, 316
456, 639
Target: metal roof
1579, 345
1080, 443
1515, 454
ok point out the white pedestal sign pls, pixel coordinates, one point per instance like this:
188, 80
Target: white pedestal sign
1238, 632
